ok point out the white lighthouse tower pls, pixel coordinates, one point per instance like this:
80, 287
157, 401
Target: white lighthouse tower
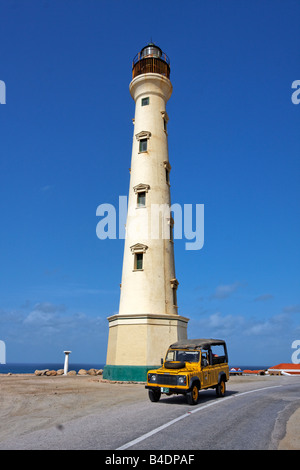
148, 320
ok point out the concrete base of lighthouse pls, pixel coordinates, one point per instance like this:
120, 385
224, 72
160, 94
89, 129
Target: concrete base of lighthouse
136, 343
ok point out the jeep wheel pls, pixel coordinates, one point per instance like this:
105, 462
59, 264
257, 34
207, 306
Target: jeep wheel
192, 396
221, 389
154, 395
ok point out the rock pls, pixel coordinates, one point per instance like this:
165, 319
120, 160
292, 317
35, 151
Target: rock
99, 372
72, 372
60, 372
82, 372
51, 372
41, 372
92, 371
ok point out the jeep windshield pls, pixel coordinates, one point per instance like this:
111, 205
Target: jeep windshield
182, 355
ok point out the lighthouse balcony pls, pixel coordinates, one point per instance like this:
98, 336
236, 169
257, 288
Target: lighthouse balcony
155, 61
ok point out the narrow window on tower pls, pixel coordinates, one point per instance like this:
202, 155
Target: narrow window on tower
167, 176
174, 285
140, 191
141, 199
171, 226
143, 145
165, 119
145, 101
167, 167
175, 297
165, 125
143, 138
138, 251
138, 261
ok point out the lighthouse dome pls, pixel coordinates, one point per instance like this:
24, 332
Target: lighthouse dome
151, 50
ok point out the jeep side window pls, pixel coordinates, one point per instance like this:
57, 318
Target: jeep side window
218, 354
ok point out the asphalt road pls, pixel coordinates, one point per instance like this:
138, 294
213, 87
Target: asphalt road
249, 420
252, 416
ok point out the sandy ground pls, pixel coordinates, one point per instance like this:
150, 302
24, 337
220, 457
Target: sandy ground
292, 437
29, 403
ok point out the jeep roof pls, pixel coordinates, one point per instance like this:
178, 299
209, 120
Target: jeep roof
196, 343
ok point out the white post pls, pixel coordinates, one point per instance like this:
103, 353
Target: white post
66, 366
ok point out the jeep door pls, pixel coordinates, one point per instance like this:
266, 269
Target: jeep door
205, 370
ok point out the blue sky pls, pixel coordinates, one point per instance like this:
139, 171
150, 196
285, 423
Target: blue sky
65, 147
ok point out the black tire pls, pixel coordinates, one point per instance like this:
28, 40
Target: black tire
174, 365
154, 395
221, 388
193, 395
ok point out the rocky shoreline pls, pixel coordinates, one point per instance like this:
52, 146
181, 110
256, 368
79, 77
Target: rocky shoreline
52, 373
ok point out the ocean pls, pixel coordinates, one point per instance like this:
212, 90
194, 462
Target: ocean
20, 368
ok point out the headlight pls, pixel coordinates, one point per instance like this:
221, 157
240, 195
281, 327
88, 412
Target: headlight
152, 378
181, 380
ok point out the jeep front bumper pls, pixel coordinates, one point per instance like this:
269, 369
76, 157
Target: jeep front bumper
168, 389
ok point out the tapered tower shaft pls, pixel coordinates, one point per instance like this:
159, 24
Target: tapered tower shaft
148, 319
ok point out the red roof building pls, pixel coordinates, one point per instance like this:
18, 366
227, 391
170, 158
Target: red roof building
282, 369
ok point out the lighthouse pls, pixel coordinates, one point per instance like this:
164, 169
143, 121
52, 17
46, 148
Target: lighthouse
148, 320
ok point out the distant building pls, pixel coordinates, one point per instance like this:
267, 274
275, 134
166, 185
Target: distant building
285, 369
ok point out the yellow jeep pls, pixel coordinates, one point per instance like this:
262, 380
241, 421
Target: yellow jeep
189, 366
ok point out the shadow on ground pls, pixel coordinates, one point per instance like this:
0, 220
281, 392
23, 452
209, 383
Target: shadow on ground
205, 396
